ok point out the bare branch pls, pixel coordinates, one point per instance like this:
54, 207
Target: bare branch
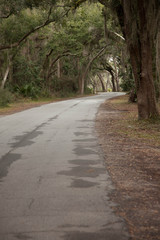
65, 54
7, 16
49, 13
118, 35
51, 73
92, 60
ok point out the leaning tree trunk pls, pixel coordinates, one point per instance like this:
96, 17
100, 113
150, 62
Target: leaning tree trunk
102, 83
84, 75
113, 81
5, 77
139, 38
6, 74
116, 75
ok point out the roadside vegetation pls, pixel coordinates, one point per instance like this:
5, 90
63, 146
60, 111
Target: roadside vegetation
61, 48
49, 49
21, 104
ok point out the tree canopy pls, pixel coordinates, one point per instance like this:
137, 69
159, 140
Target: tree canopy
60, 47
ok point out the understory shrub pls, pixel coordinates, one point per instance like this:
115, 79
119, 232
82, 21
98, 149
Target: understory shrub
6, 97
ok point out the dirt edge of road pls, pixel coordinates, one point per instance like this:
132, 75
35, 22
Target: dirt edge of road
133, 164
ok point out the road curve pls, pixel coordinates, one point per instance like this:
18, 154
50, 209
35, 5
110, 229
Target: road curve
53, 182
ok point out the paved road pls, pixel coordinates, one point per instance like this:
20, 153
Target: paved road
53, 183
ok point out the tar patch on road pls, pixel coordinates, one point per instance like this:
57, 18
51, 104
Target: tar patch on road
85, 171
6, 161
80, 183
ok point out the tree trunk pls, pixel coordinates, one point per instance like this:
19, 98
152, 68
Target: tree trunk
79, 74
81, 85
158, 64
93, 83
84, 75
144, 84
108, 84
102, 83
58, 68
5, 77
116, 75
139, 38
113, 81
145, 89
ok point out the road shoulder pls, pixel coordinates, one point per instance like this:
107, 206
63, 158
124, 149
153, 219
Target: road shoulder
133, 164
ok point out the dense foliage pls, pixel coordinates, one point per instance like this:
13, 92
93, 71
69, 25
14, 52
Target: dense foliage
60, 47
46, 46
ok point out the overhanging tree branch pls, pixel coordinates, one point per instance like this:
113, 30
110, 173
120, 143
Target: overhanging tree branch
25, 36
60, 56
84, 75
108, 33
108, 68
64, 54
92, 60
47, 22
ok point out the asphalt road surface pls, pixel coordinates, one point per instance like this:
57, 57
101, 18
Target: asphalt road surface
53, 182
